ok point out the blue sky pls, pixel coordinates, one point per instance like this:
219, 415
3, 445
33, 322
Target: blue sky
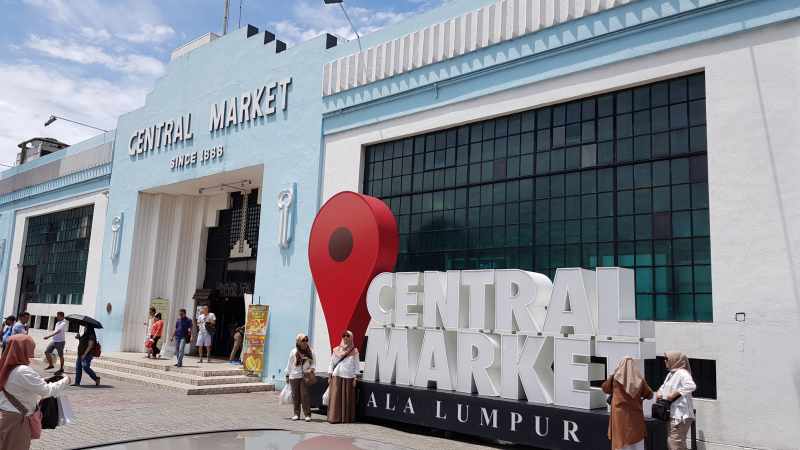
92, 60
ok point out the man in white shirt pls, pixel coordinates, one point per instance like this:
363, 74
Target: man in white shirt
59, 340
206, 322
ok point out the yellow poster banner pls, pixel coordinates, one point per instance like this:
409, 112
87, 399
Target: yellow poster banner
255, 334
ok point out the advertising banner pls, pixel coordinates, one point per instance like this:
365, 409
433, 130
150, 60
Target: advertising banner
162, 306
255, 338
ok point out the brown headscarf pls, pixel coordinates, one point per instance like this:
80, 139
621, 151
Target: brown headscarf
19, 351
302, 354
344, 348
629, 376
677, 360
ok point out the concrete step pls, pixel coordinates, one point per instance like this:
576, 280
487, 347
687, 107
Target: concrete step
166, 365
184, 388
168, 375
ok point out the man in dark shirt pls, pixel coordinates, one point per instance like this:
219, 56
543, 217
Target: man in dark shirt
182, 335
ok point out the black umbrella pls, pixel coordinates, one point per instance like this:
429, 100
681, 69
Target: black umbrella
84, 320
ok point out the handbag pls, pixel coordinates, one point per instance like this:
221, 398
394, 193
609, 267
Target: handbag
96, 350
50, 413
309, 378
34, 421
661, 409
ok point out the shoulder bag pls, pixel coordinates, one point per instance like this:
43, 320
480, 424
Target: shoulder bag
34, 421
661, 409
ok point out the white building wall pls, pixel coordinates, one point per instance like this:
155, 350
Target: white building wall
753, 112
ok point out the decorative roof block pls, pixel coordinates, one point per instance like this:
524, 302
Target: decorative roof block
501, 21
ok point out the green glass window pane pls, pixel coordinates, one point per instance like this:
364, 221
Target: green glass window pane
514, 145
700, 226
559, 137
663, 279
682, 251
572, 231
660, 145
702, 250
557, 257
644, 280
644, 226
625, 228
679, 141
542, 233
605, 105
512, 214
697, 139
572, 207
605, 153
589, 206
625, 176
683, 279
526, 165
605, 229
513, 167
703, 308
542, 163
697, 112
661, 199
512, 191
542, 256
677, 90
487, 172
685, 311
664, 307
641, 98
474, 173
589, 155
499, 236
605, 129
589, 230
542, 210
679, 116
573, 255
660, 119
512, 236
681, 224
499, 215
644, 253
624, 101
573, 134
501, 147
605, 204
605, 180
681, 197
625, 202
697, 86
624, 150
589, 260
543, 140
572, 158
702, 278
699, 195
641, 122
557, 160
642, 201
557, 209
644, 307
625, 254
605, 254
662, 253
527, 143
642, 149
526, 212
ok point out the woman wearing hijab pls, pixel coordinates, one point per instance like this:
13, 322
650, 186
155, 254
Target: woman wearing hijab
22, 388
678, 388
342, 383
300, 365
86, 343
626, 428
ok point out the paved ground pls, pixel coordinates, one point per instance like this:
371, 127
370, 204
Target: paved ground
119, 411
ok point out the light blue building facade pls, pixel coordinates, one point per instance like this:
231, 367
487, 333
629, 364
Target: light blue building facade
469, 121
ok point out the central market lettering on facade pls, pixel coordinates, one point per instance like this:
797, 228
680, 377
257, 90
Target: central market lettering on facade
262, 102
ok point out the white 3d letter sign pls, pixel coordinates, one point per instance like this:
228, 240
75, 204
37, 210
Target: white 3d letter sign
505, 333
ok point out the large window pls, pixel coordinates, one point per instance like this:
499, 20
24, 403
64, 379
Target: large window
618, 179
56, 251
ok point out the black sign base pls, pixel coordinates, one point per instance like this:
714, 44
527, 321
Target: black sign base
491, 418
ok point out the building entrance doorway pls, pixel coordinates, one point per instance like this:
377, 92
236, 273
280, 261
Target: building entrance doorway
230, 275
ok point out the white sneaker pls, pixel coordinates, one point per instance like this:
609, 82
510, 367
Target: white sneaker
295, 417
308, 418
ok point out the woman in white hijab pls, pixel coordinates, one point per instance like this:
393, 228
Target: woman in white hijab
343, 370
626, 428
678, 388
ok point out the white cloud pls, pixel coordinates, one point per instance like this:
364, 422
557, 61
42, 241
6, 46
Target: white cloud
95, 34
311, 19
150, 33
89, 54
135, 21
32, 92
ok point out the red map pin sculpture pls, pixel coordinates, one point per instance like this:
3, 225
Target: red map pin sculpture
353, 238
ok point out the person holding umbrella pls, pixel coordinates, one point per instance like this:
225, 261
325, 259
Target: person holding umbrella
87, 343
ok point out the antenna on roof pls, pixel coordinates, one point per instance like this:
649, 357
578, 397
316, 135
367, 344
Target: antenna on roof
225, 17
